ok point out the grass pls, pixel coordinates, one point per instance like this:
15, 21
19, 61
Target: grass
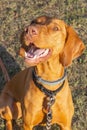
16, 14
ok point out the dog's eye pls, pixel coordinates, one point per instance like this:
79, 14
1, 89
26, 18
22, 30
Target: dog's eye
55, 29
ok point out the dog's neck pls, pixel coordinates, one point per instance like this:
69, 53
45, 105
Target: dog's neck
51, 70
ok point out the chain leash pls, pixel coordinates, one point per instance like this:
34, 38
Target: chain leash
49, 93
51, 101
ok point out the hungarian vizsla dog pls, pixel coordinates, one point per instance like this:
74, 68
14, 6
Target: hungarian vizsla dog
49, 46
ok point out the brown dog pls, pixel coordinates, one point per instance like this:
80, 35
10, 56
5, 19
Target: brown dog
49, 45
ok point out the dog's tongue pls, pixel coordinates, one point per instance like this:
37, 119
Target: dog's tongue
34, 51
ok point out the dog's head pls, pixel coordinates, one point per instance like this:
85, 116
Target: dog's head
49, 37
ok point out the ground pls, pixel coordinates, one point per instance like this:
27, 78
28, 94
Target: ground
16, 14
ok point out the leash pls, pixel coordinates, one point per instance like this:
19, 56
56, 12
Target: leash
51, 97
49, 114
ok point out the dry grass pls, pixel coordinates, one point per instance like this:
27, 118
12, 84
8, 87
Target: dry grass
16, 14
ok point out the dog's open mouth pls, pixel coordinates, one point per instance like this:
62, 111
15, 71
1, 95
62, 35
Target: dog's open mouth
34, 53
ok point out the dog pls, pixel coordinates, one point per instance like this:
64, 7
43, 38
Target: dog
48, 47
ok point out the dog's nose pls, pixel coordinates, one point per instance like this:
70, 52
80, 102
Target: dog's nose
32, 30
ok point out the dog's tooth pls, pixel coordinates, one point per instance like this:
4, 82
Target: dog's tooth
45, 53
25, 54
47, 50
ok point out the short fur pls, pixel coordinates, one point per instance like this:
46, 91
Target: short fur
20, 97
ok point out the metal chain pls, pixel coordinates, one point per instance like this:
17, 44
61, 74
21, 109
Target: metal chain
49, 114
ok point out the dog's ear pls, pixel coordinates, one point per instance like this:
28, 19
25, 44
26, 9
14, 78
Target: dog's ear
73, 47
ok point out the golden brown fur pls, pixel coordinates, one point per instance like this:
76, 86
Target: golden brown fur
21, 97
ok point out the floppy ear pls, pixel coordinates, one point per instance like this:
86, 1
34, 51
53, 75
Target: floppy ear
73, 47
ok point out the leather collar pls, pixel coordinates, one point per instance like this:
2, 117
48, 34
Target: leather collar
50, 83
46, 91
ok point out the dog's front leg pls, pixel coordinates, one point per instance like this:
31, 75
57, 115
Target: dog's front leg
66, 128
9, 125
7, 115
27, 127
27, 120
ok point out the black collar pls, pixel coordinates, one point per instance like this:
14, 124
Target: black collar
50, 83
46, 91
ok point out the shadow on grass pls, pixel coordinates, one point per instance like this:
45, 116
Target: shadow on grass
11, 66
